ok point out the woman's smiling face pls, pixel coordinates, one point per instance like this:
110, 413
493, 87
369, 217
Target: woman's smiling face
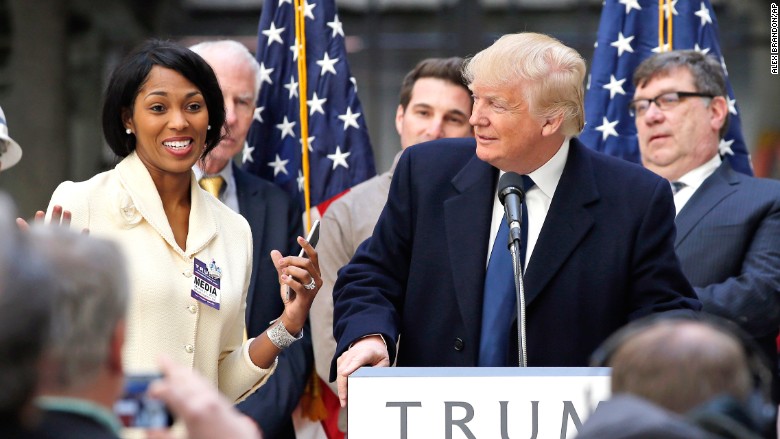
169, 120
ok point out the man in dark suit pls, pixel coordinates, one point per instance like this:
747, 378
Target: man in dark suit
599, 236
728, 224
275, 220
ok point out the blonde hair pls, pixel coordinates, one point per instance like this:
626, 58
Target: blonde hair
551, 73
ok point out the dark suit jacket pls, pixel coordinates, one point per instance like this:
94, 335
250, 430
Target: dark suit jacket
68, 425
728, 242
604, 256
275, 220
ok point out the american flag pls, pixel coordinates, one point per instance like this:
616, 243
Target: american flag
340, 153
628, 33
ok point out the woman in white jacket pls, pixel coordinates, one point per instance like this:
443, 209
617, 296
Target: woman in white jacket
189, 255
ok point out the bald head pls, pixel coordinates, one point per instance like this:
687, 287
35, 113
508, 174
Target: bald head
680, 364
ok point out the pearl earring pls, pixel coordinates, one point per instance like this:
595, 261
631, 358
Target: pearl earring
128, 131
208, 127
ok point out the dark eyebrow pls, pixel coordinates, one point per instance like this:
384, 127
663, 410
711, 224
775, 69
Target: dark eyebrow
165, 93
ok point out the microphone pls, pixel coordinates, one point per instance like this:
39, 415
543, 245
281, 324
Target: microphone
511, 196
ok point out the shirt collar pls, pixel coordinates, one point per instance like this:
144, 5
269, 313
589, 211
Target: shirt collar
226, 173
695, 177
549, 174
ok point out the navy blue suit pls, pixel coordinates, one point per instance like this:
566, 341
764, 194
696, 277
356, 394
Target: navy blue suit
275, 220
728, 242
604, 257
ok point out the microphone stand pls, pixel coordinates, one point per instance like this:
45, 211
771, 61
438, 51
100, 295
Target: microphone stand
514, 248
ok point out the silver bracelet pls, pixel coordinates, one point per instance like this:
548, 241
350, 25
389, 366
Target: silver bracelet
280, 337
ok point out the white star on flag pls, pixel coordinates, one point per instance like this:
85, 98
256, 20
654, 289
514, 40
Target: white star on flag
732, 105
281, 2
287, 127
662, 48
265, 74
354, 82
672, 7
296, 49
279, 165
315, 105
350, 119
246, 153
327, 64
258, 114
623, 44
607, 128
274, 34
704, 51
292, 87
704, 14
308, 9
631, 4
723, 64
614, 86
339, 158
724, 148
311, 143
300, 180
338, 29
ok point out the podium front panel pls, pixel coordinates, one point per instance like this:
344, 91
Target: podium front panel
480, 402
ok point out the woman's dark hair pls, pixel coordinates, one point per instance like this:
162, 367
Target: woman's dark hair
131, 74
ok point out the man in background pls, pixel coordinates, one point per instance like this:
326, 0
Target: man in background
275, 220
434, 103
728, 224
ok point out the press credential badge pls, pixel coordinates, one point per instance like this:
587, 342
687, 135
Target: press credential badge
206, 283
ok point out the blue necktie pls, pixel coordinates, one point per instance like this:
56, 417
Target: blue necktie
499, 303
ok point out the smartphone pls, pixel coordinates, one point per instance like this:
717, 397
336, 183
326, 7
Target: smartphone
135, 409
312, 237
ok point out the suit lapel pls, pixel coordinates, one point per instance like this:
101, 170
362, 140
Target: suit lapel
721, 184
252, 206
467, 216
567, 221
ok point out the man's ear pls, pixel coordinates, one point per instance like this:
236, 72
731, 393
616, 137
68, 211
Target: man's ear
399, 116
117, 342
719, 110
551, 125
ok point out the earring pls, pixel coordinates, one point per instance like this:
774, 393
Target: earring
208, 127
128, 131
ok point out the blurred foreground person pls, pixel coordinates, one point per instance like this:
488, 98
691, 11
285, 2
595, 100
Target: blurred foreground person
25, 306
677, 376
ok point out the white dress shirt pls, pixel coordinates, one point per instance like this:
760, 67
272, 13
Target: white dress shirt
693, 179
537, 200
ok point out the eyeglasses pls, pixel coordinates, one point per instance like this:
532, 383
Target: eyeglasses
664, 102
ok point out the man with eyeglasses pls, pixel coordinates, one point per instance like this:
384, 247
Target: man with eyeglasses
728, 224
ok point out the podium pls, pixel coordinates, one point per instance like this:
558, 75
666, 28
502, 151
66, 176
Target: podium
478, 402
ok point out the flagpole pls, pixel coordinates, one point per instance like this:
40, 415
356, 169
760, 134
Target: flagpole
300, 33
